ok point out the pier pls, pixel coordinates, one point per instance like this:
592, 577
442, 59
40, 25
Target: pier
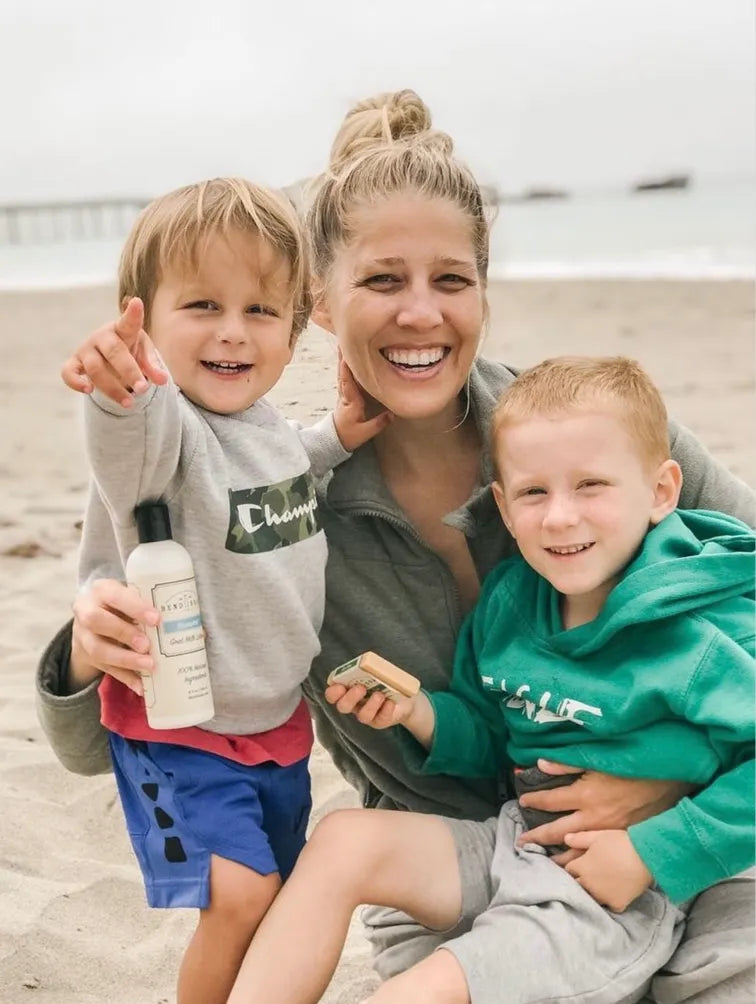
57, 222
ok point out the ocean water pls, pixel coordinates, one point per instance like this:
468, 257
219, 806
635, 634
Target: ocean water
705, 232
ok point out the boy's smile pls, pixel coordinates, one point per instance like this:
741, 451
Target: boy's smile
566, 551
224, 329
578, 497
226, 368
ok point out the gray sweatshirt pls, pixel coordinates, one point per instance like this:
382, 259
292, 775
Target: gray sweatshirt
241, 493
386, 590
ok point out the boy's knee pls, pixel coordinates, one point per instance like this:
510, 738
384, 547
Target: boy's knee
239, 897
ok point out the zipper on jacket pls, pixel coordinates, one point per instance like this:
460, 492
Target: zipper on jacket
403, 525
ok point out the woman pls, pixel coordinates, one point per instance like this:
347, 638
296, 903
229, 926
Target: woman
400, 254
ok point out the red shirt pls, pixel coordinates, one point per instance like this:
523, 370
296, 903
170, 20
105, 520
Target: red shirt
123, 712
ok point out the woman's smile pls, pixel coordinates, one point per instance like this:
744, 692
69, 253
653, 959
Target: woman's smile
419, 363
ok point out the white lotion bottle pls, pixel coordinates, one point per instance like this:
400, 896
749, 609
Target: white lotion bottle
177, 692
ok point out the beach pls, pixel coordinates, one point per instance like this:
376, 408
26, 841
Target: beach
74, 926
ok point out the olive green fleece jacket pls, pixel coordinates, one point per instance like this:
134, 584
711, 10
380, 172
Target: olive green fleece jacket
386, 591
660, 685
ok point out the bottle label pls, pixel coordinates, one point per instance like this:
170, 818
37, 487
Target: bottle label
180, 629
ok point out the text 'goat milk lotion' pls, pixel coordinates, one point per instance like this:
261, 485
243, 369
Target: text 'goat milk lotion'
177, 692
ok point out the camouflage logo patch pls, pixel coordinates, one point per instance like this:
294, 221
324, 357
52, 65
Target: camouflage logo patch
263, 519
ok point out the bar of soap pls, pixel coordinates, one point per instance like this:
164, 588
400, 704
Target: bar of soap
375, 673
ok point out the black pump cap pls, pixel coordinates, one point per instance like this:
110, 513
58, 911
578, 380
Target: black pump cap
153, 521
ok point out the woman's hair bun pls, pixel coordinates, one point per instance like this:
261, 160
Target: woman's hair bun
381, 121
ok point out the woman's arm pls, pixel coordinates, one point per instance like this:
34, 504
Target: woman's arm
707, 484
99, 639
597, 801
69, 716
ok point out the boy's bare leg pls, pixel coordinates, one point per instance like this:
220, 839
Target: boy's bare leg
439, 979
398, 859
239, 899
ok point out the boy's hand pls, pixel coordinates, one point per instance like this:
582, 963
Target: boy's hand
610, 868
118, 359
378, 711
109, 637
350, 415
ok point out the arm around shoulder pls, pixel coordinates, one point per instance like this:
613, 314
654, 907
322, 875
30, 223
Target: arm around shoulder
322, 445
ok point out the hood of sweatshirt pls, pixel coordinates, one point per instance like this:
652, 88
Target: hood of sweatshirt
691, 560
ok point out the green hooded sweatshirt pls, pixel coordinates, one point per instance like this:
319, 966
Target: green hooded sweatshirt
659, 685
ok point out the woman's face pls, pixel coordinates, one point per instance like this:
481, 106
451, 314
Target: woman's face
405, 302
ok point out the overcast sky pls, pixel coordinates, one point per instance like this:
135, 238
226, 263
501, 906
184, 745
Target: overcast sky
142, 95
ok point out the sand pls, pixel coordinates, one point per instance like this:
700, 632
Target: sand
74, 926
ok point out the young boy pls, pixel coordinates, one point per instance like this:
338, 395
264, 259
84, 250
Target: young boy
623, 642
216, 273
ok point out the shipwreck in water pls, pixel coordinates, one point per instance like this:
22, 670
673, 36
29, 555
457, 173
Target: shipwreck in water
536, 194
663, 183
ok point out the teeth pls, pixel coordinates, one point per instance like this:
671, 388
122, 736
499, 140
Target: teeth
573, 549
411, 357
227, 366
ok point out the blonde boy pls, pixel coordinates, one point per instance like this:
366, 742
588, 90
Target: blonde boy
216, 273
623, 642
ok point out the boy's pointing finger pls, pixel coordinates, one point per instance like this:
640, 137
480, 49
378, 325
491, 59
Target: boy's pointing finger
129, 324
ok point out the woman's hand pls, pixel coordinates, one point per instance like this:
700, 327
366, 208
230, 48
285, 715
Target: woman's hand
597, 801
108, 635
118, 359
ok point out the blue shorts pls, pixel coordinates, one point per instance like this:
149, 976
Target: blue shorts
182, 805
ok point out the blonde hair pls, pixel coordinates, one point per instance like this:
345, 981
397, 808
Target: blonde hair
386, 146
170, 232
577, 383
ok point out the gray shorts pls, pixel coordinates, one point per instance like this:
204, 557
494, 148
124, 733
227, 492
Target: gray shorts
529, 933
